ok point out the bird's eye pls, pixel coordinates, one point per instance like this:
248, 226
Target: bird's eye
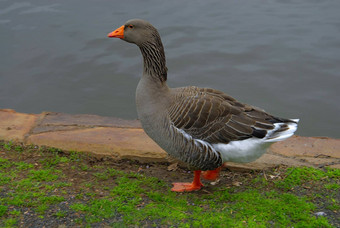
130, 26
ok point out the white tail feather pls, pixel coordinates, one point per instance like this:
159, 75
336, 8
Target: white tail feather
274, 136
250, 149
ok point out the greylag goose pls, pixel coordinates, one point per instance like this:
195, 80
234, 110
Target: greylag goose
202, 127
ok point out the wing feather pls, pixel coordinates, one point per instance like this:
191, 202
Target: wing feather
215, 117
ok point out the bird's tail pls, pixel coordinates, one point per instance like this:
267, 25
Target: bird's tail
282, 130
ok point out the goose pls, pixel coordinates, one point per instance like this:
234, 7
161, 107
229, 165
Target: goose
202, 127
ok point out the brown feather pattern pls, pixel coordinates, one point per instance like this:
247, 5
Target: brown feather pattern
215, 117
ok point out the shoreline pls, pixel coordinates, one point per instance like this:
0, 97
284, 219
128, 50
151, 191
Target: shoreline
125, 139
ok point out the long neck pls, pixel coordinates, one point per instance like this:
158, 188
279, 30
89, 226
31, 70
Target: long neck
154, 60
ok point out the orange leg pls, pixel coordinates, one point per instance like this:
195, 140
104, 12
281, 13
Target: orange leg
212, 174
188, 187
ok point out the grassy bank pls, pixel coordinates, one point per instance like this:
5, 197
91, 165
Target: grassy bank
48, 187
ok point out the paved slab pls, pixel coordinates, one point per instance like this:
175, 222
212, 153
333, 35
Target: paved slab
308, 147
125, 139
119, 143
52, 121
15, 126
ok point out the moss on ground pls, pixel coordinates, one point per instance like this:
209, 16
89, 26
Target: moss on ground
49, 187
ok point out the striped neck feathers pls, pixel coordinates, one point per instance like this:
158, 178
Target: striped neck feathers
154, 59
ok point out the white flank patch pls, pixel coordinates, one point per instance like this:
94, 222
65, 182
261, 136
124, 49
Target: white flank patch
247, 150
251, 149
186, 135
242, 151
198, 142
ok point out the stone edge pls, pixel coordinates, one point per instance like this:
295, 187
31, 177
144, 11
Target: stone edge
123, 139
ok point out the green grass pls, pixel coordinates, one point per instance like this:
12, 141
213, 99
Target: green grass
3, 210
61, 214
297, 176
58, 185
7, 146
33, 188
248, 208
227, 207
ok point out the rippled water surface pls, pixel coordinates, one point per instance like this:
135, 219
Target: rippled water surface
281, 55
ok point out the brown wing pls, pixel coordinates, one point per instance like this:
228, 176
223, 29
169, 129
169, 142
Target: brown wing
215, 117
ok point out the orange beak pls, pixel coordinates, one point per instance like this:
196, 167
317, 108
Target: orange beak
118, 33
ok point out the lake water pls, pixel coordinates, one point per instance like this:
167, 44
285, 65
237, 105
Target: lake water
280, 55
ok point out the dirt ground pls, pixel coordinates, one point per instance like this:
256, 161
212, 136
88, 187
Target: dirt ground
88, 165
167, 172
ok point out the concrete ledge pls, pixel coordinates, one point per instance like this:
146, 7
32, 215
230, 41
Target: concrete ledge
119, 143
15, 126
125, 139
